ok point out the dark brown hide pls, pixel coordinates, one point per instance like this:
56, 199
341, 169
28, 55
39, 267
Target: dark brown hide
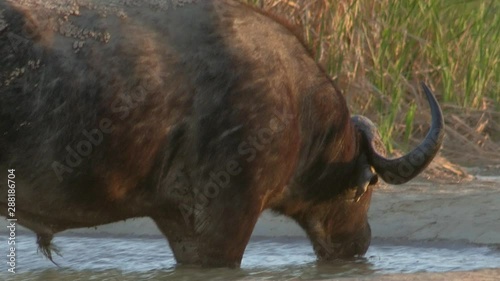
200, 116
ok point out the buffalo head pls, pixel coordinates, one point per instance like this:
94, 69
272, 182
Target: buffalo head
331, 200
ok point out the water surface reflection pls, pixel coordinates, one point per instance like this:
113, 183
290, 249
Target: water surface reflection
133, 258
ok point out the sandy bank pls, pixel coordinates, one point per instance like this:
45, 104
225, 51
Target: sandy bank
424, 210
483, 275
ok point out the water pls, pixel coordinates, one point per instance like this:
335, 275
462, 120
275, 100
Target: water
133, 258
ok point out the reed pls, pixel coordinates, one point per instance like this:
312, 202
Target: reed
379, 50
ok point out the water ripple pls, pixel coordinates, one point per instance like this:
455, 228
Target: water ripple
133, 258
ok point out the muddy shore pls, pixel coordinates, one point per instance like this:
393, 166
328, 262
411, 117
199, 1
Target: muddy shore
420, 210
483, 275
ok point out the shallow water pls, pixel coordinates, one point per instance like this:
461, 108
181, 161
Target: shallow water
133, 258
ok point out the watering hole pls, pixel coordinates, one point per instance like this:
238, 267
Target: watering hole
134, 258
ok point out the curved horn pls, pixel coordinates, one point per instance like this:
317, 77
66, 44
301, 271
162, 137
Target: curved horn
404, 168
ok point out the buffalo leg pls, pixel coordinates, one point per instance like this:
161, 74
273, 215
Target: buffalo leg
182, 240
215, 237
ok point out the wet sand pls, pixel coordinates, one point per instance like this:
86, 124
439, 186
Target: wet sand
483, 275
420, 210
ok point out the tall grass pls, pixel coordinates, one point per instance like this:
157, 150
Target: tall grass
381, 49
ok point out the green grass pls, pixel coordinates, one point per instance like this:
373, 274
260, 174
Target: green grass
388, 46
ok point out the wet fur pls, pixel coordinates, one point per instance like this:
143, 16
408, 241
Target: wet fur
46, 247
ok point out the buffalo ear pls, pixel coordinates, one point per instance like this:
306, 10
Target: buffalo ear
365, 177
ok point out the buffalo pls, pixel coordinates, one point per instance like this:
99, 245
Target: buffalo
197, 114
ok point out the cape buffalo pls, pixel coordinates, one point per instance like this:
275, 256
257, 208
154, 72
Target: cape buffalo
197, 114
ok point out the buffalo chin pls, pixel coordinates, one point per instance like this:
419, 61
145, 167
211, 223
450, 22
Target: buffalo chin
344, 248
339, 228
